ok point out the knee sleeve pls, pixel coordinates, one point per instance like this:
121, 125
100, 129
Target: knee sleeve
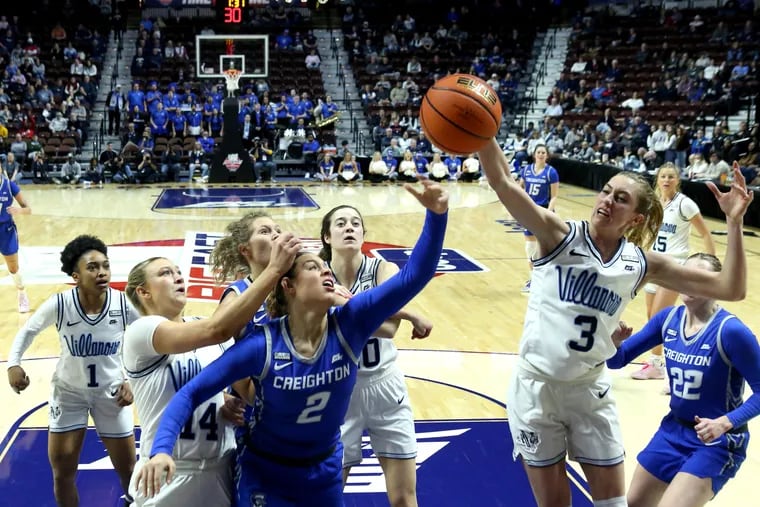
618, 501
18, 280
531, 249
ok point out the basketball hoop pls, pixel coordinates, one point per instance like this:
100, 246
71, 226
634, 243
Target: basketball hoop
232, 76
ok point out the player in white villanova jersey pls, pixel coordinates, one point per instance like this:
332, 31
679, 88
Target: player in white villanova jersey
162, 353
380, 402
586, 272
88, 379
679, 214
702, 441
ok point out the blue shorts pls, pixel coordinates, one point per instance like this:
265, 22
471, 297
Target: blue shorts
263, 482
675, 448
8, 238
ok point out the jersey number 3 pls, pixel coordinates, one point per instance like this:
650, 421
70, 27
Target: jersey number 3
587, 324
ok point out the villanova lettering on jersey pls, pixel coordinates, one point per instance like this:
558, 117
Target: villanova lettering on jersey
84, 346
581, 289
671, 228
313, 380
183, 372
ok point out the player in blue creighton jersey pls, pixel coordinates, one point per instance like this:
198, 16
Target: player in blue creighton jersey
584, 275
304, 364
9, 190
702, 441
163, 352
88, 379
380, 402
541, 183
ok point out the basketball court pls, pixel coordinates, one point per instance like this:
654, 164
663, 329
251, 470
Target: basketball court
457, 377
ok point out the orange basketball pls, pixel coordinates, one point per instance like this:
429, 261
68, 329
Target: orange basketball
460, 113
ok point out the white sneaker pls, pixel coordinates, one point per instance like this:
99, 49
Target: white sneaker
23, 302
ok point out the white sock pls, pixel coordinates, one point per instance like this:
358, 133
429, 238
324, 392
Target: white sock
618, 501
657, 360
18, 280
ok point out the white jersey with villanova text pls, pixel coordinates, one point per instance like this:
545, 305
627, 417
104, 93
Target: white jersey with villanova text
673, 237
157, 377
575, 303
380, 353
91, 344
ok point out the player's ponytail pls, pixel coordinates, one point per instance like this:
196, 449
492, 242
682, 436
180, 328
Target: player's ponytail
644, 233
225, 259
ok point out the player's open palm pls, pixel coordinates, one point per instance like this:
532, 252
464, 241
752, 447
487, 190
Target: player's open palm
621, 333
433, 196
151, 476
18, 379
735, 202
285, 246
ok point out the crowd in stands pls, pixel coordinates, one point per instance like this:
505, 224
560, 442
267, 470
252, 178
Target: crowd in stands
636, 90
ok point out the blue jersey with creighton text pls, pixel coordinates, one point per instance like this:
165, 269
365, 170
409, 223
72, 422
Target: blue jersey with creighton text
707, 370
302, 401
538, 185
8, 191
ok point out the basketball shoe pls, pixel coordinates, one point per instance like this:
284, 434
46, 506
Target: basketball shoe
23, 302
654, 369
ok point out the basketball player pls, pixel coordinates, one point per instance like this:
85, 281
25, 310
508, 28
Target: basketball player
163, 352
380, 402
702, 441
9, 190
584, 275
304, 365
541, 182
88, 380
680, 213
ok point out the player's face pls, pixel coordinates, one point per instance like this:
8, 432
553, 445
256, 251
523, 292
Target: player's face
164, 287
346, 230
667, 181
263, 231
93, 272
313, 280
540, 154
616, 205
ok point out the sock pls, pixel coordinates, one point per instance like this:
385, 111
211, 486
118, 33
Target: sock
618, 501
18, 280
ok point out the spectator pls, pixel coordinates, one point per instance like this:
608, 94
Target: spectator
312, 60
94, 173
71, 171
146, 170
171, 164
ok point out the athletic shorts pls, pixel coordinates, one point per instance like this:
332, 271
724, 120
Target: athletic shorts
193, 481
381, 408
70, 408
8, 238
266, 483
676, 448
549, 419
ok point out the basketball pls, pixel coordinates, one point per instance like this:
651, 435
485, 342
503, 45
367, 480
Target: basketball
460, 114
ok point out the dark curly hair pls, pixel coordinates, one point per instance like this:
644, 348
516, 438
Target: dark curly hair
76, 248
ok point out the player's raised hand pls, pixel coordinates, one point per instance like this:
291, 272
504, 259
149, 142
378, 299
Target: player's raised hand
285, 246
735, 202
622, 332
150, 477
18, 379
433, 196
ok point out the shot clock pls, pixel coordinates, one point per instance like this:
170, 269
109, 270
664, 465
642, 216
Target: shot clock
232, 10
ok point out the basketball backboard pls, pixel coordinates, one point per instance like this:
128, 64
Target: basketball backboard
216, 53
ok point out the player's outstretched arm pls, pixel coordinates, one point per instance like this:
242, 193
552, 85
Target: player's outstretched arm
44, 317
548, 228
731, 282
366, 311
174, 337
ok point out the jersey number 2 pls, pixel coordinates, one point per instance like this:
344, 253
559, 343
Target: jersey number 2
587, 324
686, 383
315, 404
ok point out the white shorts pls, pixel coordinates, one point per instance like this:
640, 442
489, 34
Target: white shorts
382, 408
206, 483
70, 408
550, 419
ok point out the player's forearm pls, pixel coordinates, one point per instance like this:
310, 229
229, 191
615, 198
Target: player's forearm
733, 277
